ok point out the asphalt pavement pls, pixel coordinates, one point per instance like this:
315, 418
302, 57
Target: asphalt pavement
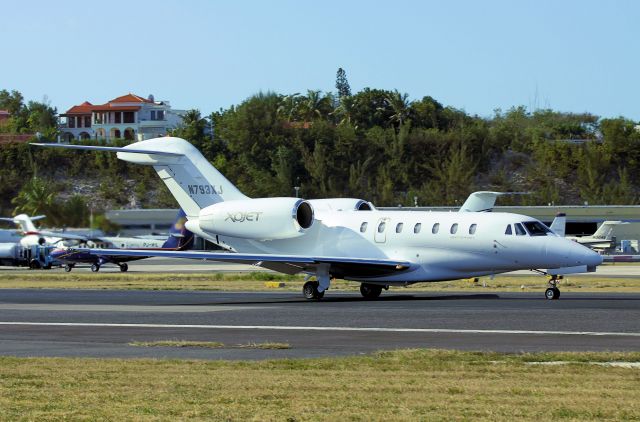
95, 323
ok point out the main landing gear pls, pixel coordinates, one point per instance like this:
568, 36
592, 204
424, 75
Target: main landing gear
370, 291
310, 290
68, 267
314, 290
553, 293
123, 267
95, 268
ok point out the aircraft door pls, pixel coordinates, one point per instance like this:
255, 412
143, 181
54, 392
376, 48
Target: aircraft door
380, 234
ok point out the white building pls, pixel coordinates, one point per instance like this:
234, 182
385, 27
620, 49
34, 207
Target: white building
127, 117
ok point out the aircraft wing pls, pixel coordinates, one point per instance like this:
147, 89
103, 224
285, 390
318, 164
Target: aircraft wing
61, 235
289, 264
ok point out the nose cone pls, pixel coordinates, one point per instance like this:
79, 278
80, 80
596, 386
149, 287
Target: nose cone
567, 253
586, 256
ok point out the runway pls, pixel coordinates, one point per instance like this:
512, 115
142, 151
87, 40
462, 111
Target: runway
103, 323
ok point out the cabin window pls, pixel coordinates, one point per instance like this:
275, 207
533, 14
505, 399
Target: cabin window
363, 227
417, 227
399, 227
472, 228
520, 231
536, 228
435, 228
508, 230
454, 228
381, 227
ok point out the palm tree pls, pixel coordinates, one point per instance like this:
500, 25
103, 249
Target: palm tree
289, 105
315, 105
399, 105
192, 118
35, 197
345, 110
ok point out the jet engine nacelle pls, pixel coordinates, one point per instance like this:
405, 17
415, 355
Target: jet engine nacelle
341, 204
260, 219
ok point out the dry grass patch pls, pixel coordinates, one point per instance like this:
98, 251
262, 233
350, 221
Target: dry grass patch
179, 343
254, 281
209, 344
401, 385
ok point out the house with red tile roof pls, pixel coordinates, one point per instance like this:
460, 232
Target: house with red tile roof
126, 117
4, 116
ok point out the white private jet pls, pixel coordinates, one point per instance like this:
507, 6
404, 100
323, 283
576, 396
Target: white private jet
346, 238
32, 236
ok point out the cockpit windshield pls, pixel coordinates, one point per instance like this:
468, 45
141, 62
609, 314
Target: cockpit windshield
535, 228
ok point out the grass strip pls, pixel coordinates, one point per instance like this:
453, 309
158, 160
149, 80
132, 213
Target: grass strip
398, 385
210, 344
254, 281
179, 343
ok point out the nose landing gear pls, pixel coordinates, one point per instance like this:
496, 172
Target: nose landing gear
553, 293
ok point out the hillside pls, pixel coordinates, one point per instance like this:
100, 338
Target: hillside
374, 144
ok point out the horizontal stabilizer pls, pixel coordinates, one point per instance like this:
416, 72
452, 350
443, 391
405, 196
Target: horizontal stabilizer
108, 149
62, 235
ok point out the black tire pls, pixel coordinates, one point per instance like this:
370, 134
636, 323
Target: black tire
68, 268
310, 291
552, 293
124, 267
370, 291
34, 264
95, 268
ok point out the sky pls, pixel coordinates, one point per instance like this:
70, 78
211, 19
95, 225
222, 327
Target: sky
572, 56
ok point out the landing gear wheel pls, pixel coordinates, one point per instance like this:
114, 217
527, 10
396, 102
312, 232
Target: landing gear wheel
124, 267
310, 291
68, 268
35, 264
95, 268
370, 291
552, 293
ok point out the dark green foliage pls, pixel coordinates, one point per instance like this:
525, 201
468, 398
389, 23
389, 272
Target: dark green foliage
342, 84
374, 144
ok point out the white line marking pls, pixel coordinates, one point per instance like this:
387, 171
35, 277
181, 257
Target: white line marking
302, 328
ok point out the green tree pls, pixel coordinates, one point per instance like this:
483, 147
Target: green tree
399, 105
192, 128
342, 84
12, 101
35, 197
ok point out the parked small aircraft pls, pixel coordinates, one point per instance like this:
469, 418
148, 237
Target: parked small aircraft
602, 239
32, 236
179, 239
342, 237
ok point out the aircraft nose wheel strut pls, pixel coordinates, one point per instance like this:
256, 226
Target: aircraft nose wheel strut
553, 293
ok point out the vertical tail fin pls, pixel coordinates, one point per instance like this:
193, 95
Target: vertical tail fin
559, 224
25, 222
179, 237
605, 231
